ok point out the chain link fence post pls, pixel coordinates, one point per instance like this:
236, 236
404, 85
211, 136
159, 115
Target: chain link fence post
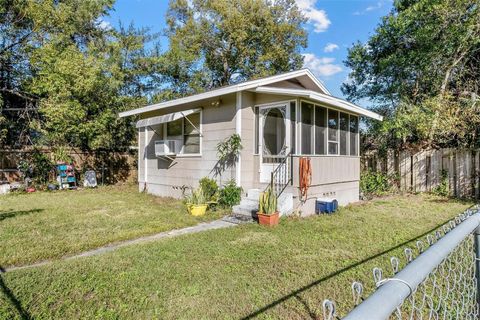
476, 239
442, 282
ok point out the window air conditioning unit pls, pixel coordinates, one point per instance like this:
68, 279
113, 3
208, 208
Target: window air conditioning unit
167, 147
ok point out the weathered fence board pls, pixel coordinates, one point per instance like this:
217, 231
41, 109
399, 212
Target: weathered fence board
111, 166
422, 171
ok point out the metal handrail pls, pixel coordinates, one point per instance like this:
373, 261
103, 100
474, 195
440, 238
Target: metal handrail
282, 176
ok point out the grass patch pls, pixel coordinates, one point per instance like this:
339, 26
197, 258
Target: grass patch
46, 225
238, 273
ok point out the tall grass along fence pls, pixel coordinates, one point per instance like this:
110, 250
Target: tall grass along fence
441, 282
454, 172
110, 166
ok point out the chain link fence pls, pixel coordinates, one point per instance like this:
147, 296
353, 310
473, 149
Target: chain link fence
440, 282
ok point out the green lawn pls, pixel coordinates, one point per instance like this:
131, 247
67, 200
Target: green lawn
47, 225
243, 272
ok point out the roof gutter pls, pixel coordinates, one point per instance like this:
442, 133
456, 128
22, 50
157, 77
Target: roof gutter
316, 96
227, 90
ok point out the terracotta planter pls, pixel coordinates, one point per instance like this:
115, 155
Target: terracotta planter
268, 219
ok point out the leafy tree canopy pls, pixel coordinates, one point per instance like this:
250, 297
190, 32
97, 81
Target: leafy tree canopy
421, 69
65, 75
220, 42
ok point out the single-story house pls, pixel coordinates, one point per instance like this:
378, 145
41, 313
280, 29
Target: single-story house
280, 119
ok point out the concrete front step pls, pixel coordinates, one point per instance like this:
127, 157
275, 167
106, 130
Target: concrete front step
250, 211
247, 202
249, 205
253, 194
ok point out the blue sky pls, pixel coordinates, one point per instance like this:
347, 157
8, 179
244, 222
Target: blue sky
333, 26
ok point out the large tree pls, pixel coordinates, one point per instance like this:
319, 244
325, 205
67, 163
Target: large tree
421, 70
65, 74
71, 73
219, 42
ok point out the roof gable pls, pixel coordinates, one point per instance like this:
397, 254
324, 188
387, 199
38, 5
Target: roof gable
300, 78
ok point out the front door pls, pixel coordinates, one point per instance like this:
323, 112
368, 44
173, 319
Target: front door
274, 137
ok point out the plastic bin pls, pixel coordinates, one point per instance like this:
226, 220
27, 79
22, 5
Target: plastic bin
323, 205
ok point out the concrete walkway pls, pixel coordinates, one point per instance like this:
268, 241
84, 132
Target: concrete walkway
217, 224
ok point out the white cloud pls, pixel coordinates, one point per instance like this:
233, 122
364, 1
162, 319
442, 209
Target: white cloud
374, 7
103, 24
321, 66
315, 16
330, 47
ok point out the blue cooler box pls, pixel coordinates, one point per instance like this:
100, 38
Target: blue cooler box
323, 205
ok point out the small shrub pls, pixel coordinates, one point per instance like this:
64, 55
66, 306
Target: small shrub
210, 188
229, 149
25, 168
42, 167
60, 154
375, 183
36, 167
442, 189
228, 152
230, 194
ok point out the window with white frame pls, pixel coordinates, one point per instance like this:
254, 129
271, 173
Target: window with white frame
293, 128
320, 129
307, 127
293, 121
191, 134
327, 131
343, 134
354, 138
186, 129
332, 131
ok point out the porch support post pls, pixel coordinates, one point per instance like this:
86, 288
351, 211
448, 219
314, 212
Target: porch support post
238, 130
145, 158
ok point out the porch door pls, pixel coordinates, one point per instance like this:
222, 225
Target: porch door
274, 137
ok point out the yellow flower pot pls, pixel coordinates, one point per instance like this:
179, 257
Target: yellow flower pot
197, 210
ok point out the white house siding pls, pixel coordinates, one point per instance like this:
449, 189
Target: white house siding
333, 176
336, 177
141, 154
262, 98
163, 175
248, 140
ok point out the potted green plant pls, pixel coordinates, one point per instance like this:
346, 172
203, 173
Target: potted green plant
268, 214
197, 202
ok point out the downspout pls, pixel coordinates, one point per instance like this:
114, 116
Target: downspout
145, 159
238, 130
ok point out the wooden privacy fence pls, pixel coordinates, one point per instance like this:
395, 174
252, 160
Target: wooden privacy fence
110, 166
425, 170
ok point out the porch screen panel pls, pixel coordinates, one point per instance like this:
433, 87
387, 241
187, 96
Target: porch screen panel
191, 134
307, 126
354, 137
320, 129
343, 133
293, 122
332, 131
